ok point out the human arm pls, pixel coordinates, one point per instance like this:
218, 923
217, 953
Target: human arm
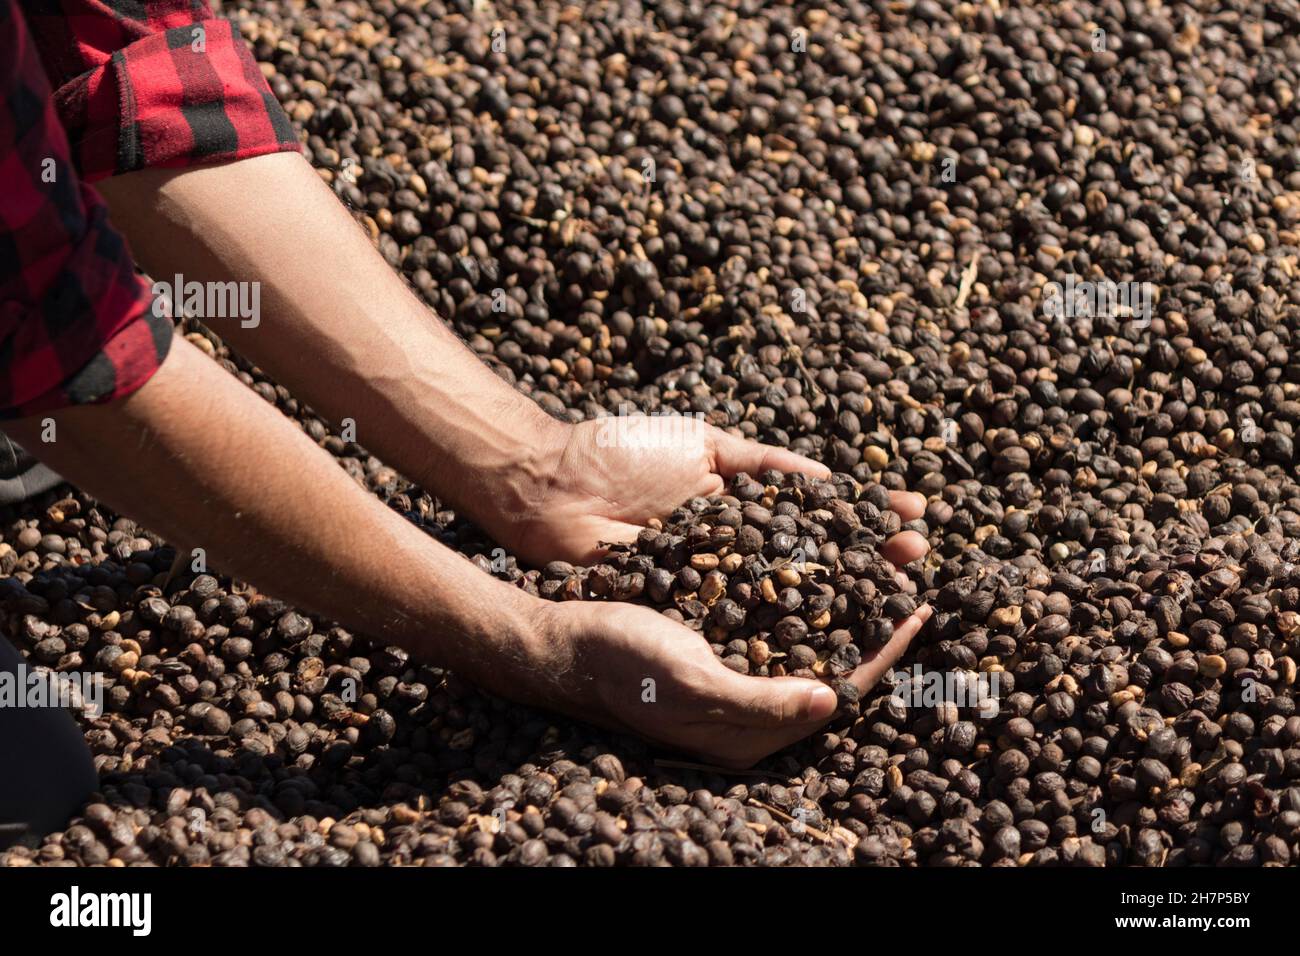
199, 458
341, 330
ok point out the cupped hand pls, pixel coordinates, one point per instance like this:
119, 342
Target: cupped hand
631, 668
614, 474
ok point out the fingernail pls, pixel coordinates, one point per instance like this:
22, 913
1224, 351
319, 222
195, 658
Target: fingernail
821, 702
920, 498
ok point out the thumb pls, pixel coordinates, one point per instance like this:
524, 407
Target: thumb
777, 701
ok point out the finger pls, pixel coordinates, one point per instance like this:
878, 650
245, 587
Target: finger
904, 548
710, 485
867, 675
732, 455
908, 505
774, 701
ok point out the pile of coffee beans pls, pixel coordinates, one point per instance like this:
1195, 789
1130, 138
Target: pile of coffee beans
780, 575
1037, 263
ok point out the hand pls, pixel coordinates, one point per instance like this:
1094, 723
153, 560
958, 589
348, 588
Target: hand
610, 476
594, 661
633, 669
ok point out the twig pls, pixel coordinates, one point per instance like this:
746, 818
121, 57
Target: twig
784, 817
967, 280
532, 220
177, 563
795, 354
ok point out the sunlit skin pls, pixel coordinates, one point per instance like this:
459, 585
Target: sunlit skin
199, 458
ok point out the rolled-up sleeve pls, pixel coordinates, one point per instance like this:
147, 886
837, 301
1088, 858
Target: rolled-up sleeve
150, 83
77, 325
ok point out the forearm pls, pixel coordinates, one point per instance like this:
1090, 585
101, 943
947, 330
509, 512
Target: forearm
339, 327
203, 461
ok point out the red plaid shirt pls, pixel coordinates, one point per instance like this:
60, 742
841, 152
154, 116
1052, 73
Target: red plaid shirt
137, 83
